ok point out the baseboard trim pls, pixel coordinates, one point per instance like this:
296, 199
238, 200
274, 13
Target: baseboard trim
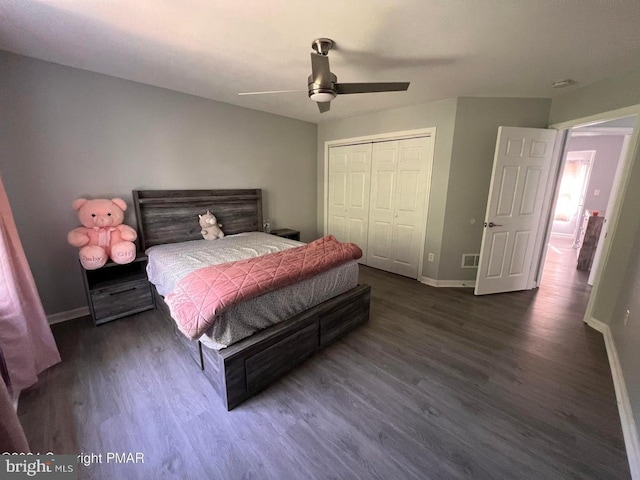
448, 283
629, 430
68, 315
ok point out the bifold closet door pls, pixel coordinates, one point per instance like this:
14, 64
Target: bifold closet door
349, 183
399, 173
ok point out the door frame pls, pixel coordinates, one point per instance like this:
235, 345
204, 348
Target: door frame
627, 164
617, 180
384, 137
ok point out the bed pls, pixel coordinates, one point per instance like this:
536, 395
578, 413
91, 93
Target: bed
238, 369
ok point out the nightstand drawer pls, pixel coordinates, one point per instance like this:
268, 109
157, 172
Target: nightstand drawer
120, 300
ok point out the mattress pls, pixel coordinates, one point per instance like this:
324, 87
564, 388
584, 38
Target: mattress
168, 264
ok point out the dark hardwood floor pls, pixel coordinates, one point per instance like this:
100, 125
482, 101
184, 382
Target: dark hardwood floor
440, 384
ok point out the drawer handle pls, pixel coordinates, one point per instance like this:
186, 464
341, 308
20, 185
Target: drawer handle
122, 291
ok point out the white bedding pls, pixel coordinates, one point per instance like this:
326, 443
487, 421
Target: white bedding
168, 264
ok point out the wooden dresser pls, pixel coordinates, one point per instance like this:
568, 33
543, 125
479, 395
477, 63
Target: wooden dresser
590, 242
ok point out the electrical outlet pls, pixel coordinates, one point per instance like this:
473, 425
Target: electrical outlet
431, 257
626, 317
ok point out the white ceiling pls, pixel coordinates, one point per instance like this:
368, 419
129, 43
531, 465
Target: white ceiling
445, 48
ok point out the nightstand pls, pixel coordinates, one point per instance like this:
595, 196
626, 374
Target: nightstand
116, 291
287, 233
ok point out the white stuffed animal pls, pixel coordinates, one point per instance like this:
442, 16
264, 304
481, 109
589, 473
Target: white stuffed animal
210, 226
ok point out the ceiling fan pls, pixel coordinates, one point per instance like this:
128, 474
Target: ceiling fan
323, 86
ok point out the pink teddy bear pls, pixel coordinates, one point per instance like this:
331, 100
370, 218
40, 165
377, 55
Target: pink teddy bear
102, 234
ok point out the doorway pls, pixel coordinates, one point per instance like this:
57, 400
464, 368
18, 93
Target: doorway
569, 207
594, 157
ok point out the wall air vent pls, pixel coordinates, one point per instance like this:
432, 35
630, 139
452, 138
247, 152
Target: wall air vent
470, 260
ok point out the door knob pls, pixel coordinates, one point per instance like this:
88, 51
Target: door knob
491, 224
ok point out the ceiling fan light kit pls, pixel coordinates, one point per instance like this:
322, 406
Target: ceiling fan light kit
322, 96
323, 85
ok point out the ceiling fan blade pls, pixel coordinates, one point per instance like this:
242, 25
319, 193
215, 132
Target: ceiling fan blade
270, 91
324, 106
346, 88
320, 69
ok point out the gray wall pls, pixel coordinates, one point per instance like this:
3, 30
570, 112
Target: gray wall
474, 143
66, 133
627, 338
437, 114
617, 288
604, 96
603, 172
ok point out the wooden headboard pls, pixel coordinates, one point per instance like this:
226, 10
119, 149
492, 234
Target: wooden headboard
171, 216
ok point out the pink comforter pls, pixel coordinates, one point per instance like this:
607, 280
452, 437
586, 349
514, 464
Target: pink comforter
207, 292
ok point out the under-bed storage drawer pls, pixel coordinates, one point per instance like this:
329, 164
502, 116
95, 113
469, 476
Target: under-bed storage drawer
120, 300
242, 369
342, 318
271, 363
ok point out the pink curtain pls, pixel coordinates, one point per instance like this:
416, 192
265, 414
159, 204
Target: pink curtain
12, 437
26, 341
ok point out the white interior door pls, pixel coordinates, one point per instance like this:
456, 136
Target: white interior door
399, 189
521, 167
349, 185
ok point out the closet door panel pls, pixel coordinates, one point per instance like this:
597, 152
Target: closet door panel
404, 241
408, 191
338, 227
357, 232
384, 167
409, 215
380, 244
348, 215
338, 189
385, 181
358, 191
338, 204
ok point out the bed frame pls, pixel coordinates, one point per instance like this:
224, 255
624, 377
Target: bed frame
248, 366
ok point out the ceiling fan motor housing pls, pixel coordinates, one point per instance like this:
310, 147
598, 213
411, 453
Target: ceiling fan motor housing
322, 88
